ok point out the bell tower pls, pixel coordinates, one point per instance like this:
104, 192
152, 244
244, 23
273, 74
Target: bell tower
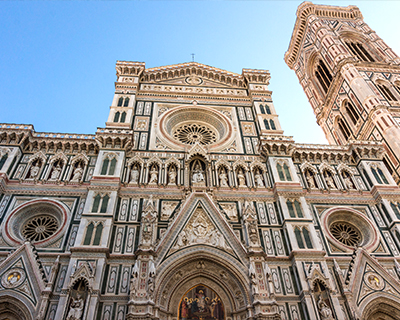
350, 76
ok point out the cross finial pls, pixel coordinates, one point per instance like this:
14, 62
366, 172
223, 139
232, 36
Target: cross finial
193, 57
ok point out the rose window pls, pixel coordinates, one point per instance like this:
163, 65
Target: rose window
192, 133
346, 233
39, 228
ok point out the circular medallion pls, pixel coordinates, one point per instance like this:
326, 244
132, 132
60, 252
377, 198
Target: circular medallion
346, 233
374, 281
192, 133
13, 278
39, 228
194, 80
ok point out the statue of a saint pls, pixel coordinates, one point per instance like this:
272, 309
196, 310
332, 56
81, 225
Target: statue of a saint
153, 175
76, 308
134, 174
324, 310
348, 182
55, 174
259, 180
133, 284
310, 180
172, 176
329, 181
223, 179
241, 178
198, 175
78, 172
35, 171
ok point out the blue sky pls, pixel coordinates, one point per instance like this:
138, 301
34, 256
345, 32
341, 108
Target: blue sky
57, 66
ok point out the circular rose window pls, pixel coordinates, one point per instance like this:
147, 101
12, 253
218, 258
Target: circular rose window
347, 228
184, 126
39, 221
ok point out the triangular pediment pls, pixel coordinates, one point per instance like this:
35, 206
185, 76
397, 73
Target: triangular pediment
200, 223
368, 278
20, 272
192, 74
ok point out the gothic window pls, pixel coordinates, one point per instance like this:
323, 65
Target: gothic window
346, 233
387, 93
116, 116
367, 177
280, 172
103, 200
262, 109
377, 178
3, 160
93, 234
299, 238
97, 235
272, 123
386, 213
323, 75
287, 172
40, 228
297, 206
343, 129
120, 102
379, 175
307, 238
358, 50
123, 116
294, 209
266, 124
108, 167
395, 209
126, 102
267, 109
351, 112
291, 209
89, 234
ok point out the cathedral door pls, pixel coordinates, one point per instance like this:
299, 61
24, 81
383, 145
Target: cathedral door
201, 303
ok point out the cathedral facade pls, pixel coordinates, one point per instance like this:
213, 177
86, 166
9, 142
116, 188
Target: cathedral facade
192, 204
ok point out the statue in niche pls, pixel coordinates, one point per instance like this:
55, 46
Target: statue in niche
259, 180
34, 172
78, 173
172, 176
55, 174
76, 308
310, 179
134, 174
347, 180
223, 179
167, 209
329, 180
241, 178
324, 310
254, 284
198, 174
153, 175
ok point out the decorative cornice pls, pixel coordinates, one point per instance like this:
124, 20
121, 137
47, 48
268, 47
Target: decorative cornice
304, 11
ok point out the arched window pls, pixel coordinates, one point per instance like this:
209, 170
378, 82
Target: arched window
3, 160
280, 172
291, 209
352, 112
307, 238
104, 168
97, 235
386, 213
262, 110
267, 109
120, 102
299, 238
266, 124
112, 166
89, 234
367, 177
323, 75
116, 116
272, 123
358, 50
386, 92
298, 209
123, 116
343, 129
126, 103
377, 178
287, 172
104, 204
383, 177
96, 203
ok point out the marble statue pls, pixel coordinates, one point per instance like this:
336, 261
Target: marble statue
329, 181
76, 308
310, 180
172, 176
223, 179
134, 174
348, 182
241, 178
35, 171
198, 175
153, 175
55, 174
324, 310
259, 180
77, 173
